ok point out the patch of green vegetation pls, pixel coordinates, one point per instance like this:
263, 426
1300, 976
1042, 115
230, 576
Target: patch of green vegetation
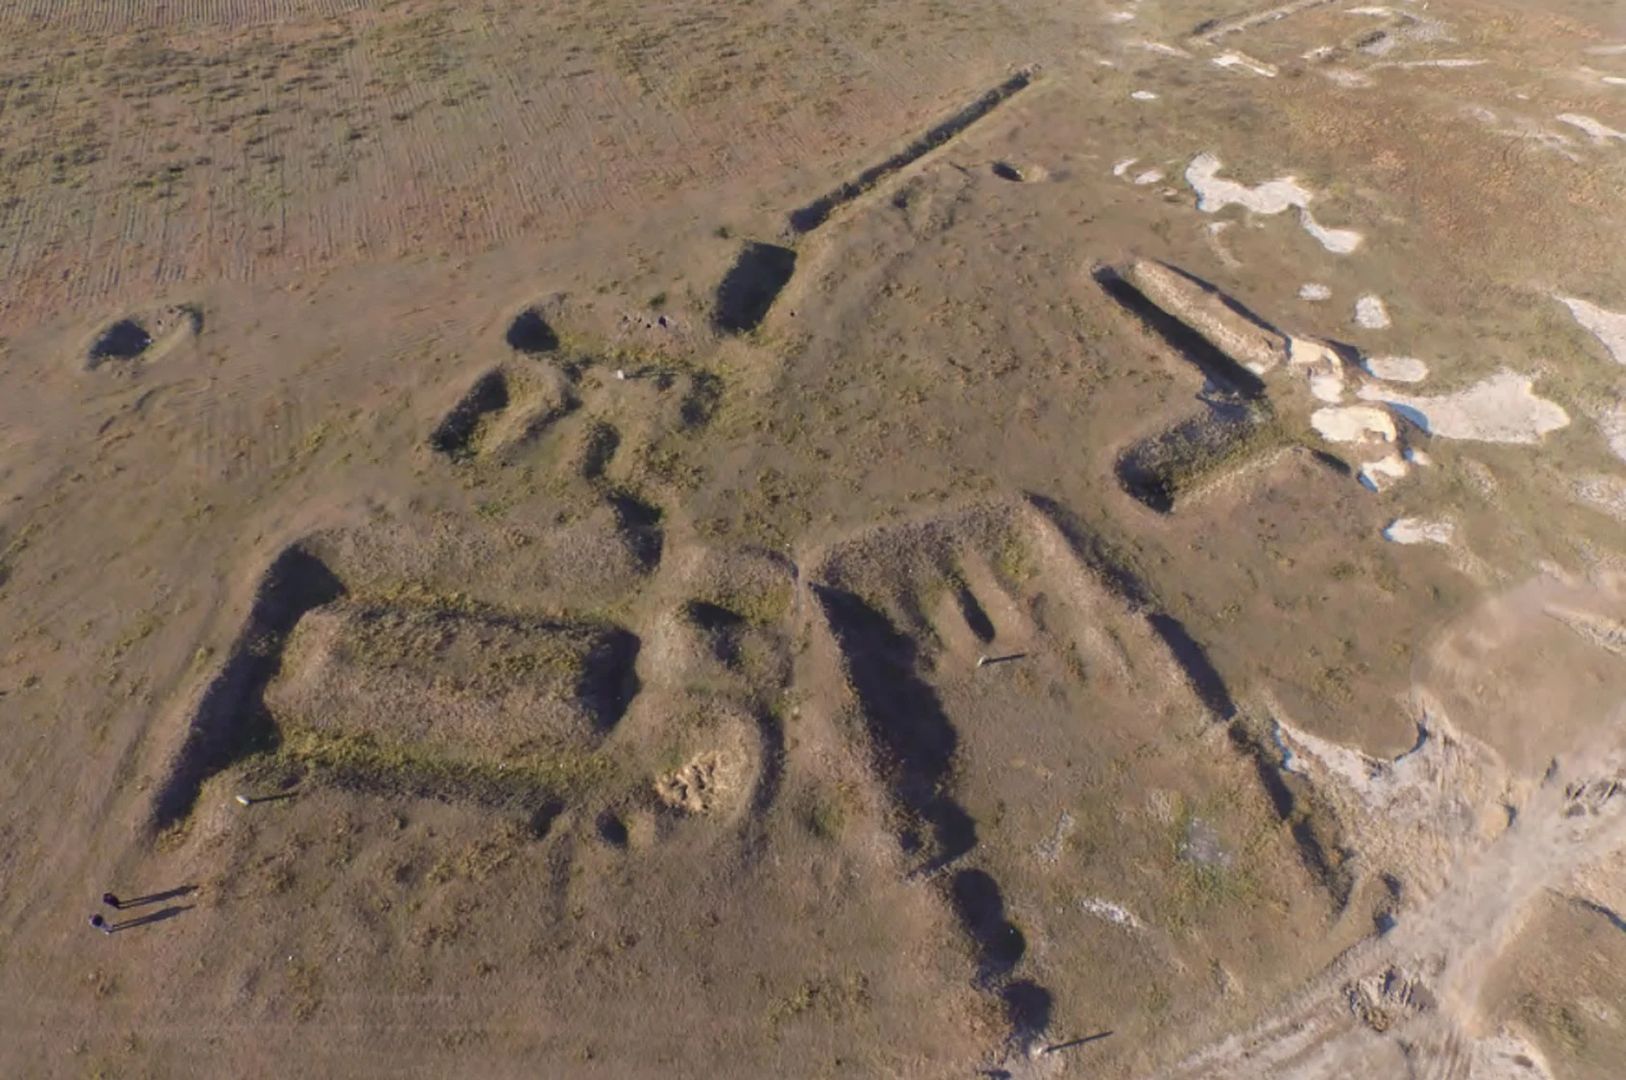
828, 997
668, 464
760, 606
1182, 461
1013, 561
1554, 1017
366, 761
1199, 887
493, 509
826, 816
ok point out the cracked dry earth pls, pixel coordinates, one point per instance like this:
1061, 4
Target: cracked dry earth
889, 540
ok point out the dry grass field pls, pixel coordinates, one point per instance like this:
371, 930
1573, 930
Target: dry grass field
860, 539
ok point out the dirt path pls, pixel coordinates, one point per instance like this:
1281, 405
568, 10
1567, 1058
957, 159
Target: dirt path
1405, 1003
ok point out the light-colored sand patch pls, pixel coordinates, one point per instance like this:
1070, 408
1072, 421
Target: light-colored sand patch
1523, 127
1215, 193
1050, 848
1150, 176
1144, 95
1408, 785
1410, 530
1327, 386
1607, 50
705, 781
1506, 1056
1599, 133
1337, 241
1314, 292
1323, 368
1502, 409
1407, 369
1246, 63
1122, 167
1112, 913
1371, 314
1348, 78
1214, 233
1161, 49
1614, 80
1604, 493
1380, 474
1271, 197
1447, 62
1417, 457
1120, 16
1611, 422
1608, 327
1353, 424
1600, 630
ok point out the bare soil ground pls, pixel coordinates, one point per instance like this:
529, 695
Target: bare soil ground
903, 539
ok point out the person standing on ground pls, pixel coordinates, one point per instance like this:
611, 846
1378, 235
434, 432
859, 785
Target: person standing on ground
101, 924
112, 901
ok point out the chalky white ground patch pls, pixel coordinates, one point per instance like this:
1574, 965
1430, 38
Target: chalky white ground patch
1370, 313
1113, 913
1378, 475
1124, 166
1160, 48
1327, 386
1604, 493
1597, 132
1447, 62
1323, 368
1410, 530
1353, 423
1214, 233
1215, 193
1246, 63
1049, 850
1612, 426
1144, 95
1337, 241
1501, 409
1314, 292
1507, 1056
1523, 127
1406, 369
1608, 327
1348, 78
1271, 197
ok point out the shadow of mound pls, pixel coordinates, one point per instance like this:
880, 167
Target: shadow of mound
124, 340
530, 333
751, 286
912, 741
1221, 369
1158, 471
454, 435
231, 719
981, 910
